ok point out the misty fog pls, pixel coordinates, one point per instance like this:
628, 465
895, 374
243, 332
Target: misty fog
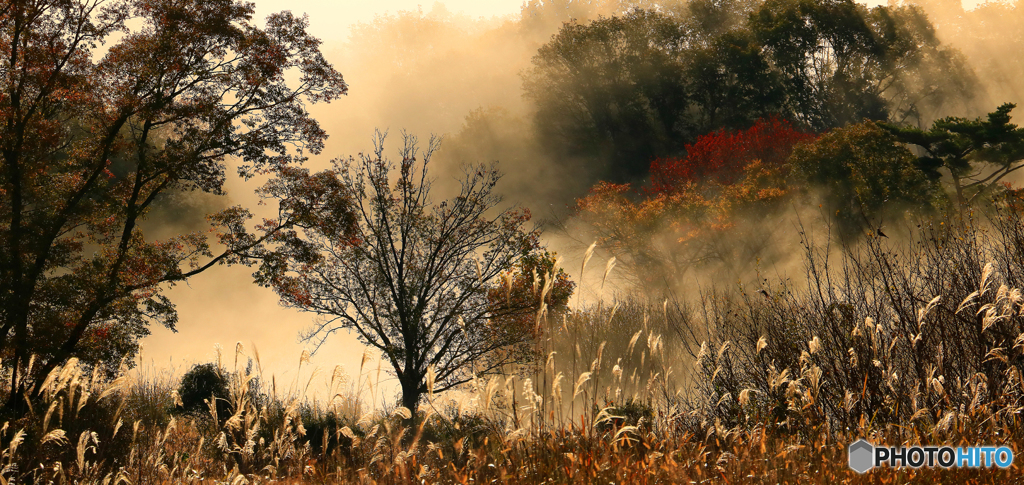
456, 70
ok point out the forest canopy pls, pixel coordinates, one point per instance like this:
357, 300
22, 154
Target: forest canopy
615, 93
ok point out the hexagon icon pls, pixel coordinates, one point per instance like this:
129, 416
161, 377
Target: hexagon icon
861, 455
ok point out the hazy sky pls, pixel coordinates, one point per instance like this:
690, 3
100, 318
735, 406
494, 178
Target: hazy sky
330, 20
222, 307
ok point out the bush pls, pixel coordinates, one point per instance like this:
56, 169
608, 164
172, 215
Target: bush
198, 385
633, 412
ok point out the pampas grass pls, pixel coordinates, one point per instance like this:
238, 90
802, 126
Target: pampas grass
919, 342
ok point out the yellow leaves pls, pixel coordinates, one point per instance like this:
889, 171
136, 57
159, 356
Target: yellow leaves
770, 193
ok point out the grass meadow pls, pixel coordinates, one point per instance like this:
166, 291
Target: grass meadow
910, 341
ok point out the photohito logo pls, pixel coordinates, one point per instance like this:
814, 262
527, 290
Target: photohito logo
864, 456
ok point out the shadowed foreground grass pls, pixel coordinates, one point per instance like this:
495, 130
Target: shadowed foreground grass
114, 433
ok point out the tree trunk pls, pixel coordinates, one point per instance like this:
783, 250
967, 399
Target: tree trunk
411, 396
960, 199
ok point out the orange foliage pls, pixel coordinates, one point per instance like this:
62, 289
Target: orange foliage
680, 220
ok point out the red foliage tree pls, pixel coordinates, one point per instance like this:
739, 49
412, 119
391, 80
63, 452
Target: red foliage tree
106, 109
723, 155
517, 299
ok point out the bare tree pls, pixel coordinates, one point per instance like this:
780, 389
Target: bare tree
414, 280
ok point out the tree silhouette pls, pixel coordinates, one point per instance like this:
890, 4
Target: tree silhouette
977, 154
412, 278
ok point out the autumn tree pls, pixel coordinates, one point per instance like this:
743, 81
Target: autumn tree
863, 174
724, 154
104, 108
692, 212
660, 238
410, 276
533, 290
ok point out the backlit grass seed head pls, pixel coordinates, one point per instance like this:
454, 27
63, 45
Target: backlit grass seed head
986, 273
814, 345
556, 387
723, 349
632, 342
584, 377
607, 270
744, 398
595, 366
57, 436
967, 301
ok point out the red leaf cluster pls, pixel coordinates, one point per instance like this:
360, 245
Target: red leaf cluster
723, 155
